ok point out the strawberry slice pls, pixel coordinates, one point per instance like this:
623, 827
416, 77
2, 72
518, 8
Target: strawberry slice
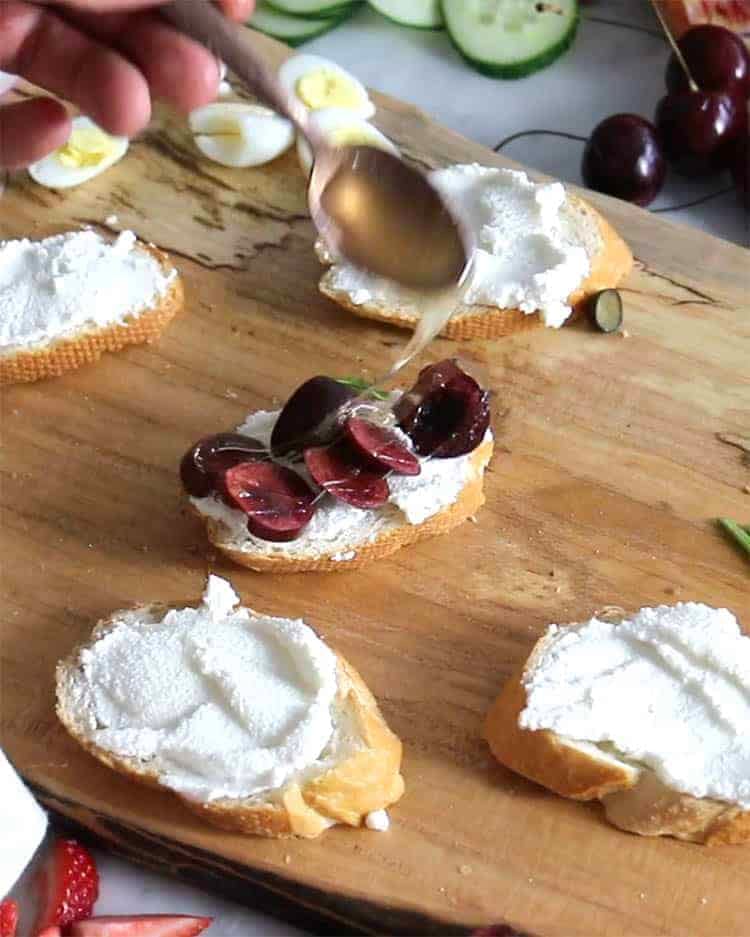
340, 470
8, 918
141, 925
279, 503
68, 885
51, 931
382, 446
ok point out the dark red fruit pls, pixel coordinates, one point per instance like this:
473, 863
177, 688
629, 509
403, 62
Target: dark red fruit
8, 918
204, 464
68, 885
446, 414
697, 129
343, 473
309, 416
278, 503
623, 158
740, 168
381, 446
716, 58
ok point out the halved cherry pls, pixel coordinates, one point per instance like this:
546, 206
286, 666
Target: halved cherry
309, 416
381, 446
341, 471
204, 464
446, 414
278, 503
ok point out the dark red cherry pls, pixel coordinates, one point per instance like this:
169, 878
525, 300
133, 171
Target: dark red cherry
309, 417
623, 158
740, 168
278, 503
343, 473
697, 129
205, 462
446, 414
716, 58
381, 446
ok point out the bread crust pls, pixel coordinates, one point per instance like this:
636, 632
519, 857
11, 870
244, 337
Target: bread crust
609, 267
68, 354
634, 798
367, 780
465, 506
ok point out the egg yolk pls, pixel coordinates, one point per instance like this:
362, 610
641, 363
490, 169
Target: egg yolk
325, 88
353, 136
86, 147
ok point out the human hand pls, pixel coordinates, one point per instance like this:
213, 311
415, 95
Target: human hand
108, 57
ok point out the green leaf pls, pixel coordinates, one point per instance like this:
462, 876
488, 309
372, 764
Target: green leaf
363, 386
738, 533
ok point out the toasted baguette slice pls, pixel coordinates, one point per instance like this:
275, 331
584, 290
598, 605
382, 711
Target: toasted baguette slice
353, 553
87, 346
609, 265
634, 798
365, 775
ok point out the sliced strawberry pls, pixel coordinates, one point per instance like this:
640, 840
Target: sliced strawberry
382, 446
278, 503
342, 472
8, 918
68, 885
141, 925
446, 414
52, 931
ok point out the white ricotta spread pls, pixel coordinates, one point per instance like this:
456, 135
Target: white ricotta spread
23, 824
221, 701
336, 527
533, 249
71, 283
668, 688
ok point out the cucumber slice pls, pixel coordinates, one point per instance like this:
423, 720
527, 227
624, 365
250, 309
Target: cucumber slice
312, 8
510, 38
422, 14
293, 30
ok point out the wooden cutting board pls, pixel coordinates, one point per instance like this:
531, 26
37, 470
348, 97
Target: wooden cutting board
607, 476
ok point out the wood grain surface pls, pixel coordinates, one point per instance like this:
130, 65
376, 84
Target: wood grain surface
607, 475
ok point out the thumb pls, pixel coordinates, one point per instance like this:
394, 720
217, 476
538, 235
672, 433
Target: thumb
30, 130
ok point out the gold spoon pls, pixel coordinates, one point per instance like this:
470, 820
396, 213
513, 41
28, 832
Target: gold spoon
369, 206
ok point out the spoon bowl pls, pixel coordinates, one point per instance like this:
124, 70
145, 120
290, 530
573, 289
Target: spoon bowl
385, 217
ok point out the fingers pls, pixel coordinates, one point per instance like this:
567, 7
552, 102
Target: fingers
236, 9
240, 10
177, 69
51, 53
31, 129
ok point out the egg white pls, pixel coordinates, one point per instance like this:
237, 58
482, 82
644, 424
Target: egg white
240, 135
329, 120
53, 174
299, 65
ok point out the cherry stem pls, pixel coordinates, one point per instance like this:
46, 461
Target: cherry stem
675, 47
537, 133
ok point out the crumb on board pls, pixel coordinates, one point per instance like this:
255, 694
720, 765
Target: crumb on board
465, 869
704, 900
746, 489
287, 859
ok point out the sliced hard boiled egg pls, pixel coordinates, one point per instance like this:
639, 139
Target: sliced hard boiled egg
240, 135
342, 128
88, 152
319, 83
